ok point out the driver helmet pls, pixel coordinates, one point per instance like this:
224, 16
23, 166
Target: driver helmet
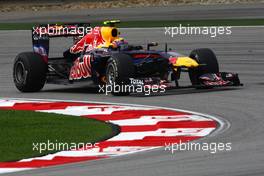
120, 42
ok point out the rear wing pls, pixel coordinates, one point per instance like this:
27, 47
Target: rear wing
42, 33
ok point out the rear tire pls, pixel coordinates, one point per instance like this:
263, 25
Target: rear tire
120, 68
208, 61
29, 72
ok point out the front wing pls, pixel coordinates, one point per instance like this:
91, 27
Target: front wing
210, 80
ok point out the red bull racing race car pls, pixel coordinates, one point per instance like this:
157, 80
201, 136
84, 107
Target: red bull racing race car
100, 56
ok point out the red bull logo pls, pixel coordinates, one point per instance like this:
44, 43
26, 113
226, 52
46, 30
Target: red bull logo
81, 69
90, 40
98, 37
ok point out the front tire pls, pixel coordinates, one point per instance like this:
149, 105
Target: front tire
29, 72
208, 61
120, 68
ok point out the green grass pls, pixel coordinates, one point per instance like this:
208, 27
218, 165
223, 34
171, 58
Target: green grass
216, 22
20, 129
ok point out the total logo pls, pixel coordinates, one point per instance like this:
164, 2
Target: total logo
136, 81
81, 68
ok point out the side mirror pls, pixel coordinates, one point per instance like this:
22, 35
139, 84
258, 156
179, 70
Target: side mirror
152, 44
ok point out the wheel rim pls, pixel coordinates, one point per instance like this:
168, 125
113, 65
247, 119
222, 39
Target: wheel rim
20, 72
111, 75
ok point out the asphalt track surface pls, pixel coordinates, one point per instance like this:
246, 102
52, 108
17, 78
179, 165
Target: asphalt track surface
241, 52
243, 11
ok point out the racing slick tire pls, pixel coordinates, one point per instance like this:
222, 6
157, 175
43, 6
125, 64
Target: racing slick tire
29, 72
119, 69
208, 61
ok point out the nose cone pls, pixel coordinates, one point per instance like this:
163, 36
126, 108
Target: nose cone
185, 62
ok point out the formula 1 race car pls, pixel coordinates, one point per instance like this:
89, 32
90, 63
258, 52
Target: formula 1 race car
99, 55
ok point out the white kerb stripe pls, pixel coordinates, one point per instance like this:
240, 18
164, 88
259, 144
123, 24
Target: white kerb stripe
162, 132
92, 110
109, 151
8, 170
152, 120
